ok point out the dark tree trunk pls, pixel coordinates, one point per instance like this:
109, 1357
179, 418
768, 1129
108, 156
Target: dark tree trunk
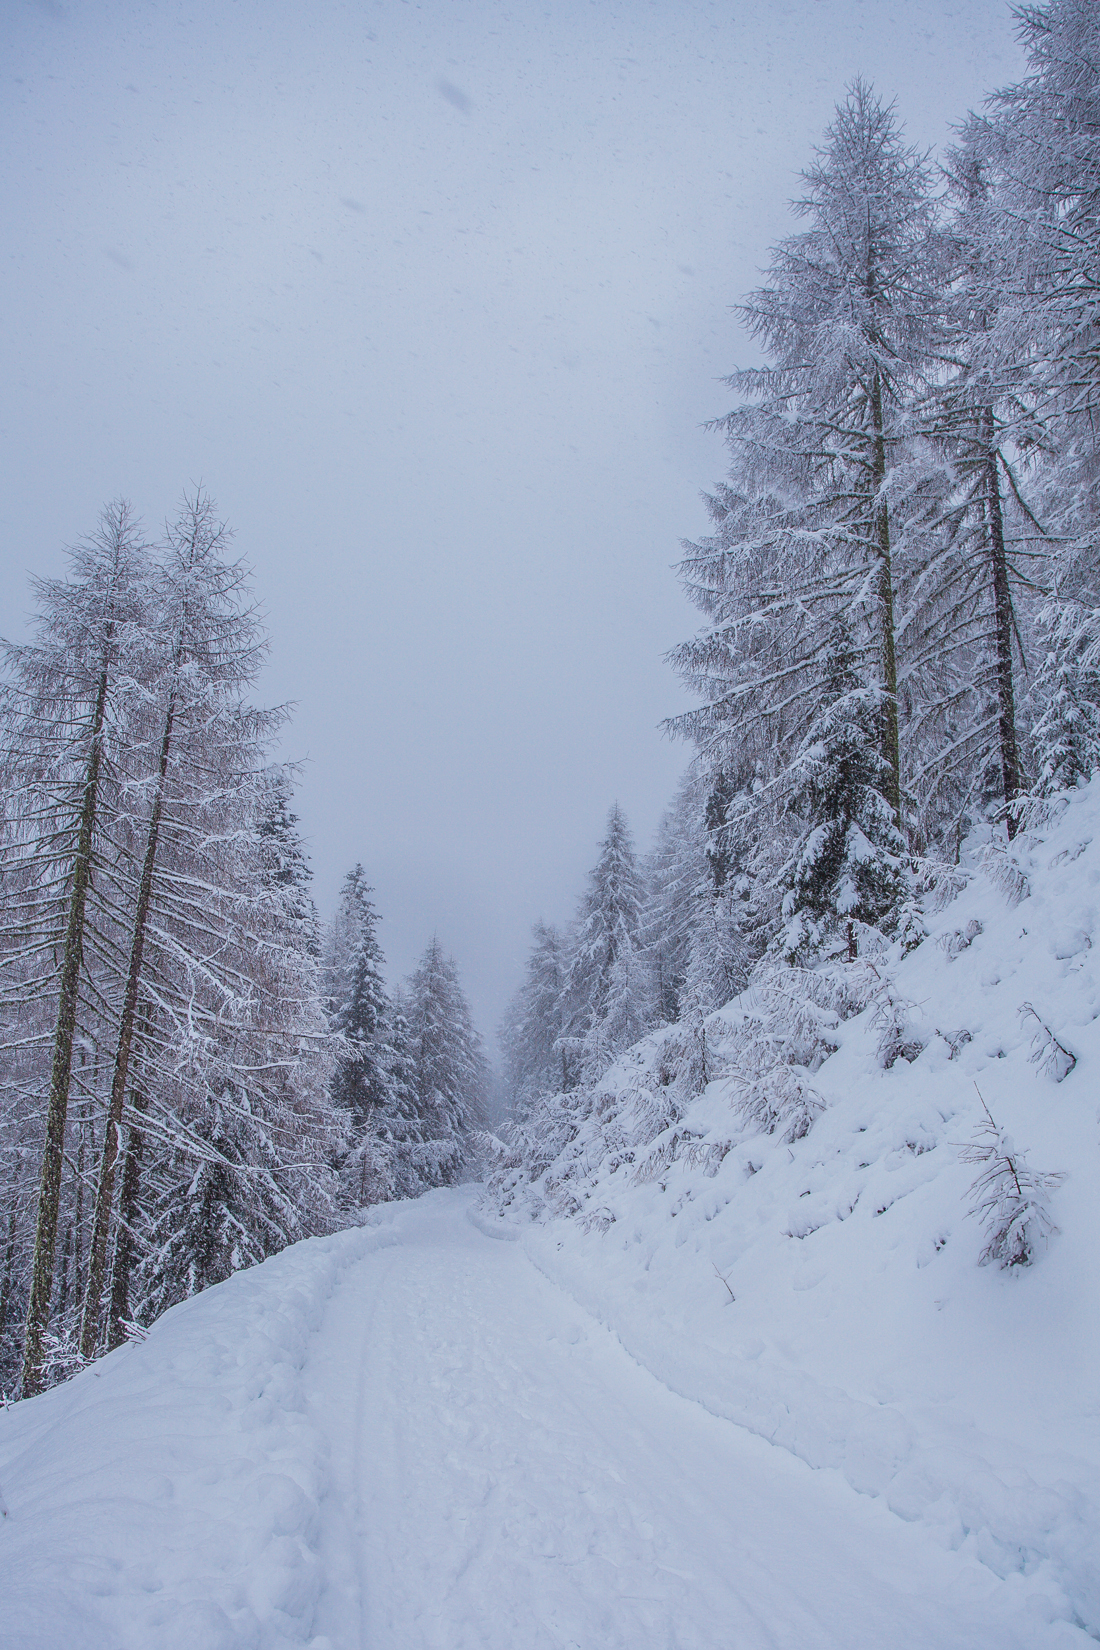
78, 1234
66, 1270
9, 1268
1002, 619
97, 1259
49, 1193
129, 1206
891, 743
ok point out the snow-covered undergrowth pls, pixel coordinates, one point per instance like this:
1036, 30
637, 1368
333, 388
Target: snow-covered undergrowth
181, 1479
826, 1290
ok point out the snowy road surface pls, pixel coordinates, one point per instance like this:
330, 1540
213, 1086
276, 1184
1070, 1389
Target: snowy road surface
406, 1438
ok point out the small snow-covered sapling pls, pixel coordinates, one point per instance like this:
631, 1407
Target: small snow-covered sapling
1010, 1199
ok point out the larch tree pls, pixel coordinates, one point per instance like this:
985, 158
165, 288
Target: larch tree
821, 482
984, 548
1044, 133
210, 651
220, 1055
67, 699
255, 1139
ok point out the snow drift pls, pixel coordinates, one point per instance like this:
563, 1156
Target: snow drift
170, 1494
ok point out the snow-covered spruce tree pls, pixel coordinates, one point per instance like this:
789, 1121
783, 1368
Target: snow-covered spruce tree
448, 1066
606, 998
534, 1062
410, 1153
67, 699
753, 662
250, 1146
1066, 735
373, 1079
808, 524
244, 1130
284, 864
229, 1212
738, 910
847, 871
674, 875
361, 1082
708, 908
287, 1044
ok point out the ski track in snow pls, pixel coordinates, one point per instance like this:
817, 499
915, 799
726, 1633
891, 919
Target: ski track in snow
407, 1438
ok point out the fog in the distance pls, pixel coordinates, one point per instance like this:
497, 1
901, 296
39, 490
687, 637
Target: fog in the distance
435, 300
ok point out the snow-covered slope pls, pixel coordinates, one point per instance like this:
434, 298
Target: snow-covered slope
170, 1496
862, 1333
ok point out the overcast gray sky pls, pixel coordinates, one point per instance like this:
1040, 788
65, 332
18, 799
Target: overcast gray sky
435, 299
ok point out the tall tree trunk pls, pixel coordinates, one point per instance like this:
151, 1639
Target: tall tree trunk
97, 1259
49, 1193
891, 743
78, 1237
66, 1269
129, 1205
1002, 619
9, 1267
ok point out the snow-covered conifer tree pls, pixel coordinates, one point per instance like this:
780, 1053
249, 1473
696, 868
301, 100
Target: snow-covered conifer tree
360, 1004
673, 874
68, 698
228, 1211
1044, 134
847, 869
1011, 1200
819, 490
607, 996
448, 1066
1066, 735
738, 907
534, 1061
373, 1080
983, 549
203, 766
401, 1134
222, 1006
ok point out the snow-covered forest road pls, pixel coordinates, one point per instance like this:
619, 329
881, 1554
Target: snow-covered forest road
407, 1438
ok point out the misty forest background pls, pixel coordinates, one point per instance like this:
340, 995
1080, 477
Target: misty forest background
899, 646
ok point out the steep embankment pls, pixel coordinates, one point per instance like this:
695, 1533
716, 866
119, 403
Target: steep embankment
862, 1333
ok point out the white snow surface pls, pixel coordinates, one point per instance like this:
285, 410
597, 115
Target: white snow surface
411, 1436
407, 1438
864, 1338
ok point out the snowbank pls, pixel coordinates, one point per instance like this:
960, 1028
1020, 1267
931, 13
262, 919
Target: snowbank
826, 1292
181, 1478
